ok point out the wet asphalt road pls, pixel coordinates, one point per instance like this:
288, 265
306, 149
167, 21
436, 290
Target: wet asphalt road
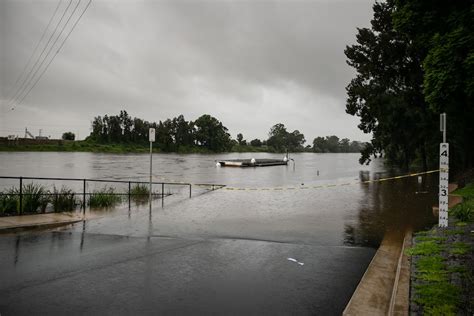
84, 273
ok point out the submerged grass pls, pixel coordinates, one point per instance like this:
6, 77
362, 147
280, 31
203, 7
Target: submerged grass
141, 191
105, 197
63, 200
35, 199
9, 202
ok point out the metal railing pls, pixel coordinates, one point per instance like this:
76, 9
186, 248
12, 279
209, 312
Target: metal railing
84, 192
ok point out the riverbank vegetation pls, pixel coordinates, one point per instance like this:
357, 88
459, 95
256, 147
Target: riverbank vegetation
37, 198
105, 197
124, 134
442, 278
415, 62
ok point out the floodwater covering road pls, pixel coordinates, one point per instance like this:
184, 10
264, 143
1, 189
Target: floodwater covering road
218, 252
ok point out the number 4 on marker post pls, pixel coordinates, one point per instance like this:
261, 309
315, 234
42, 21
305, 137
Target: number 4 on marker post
443, 175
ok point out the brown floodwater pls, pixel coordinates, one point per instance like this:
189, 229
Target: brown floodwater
352, 215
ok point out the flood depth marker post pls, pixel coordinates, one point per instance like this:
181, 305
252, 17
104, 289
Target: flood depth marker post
151, 136
443, 175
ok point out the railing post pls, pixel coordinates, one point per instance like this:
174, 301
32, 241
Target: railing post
21, 195
162, 195
190, 190
129, 189
84, 197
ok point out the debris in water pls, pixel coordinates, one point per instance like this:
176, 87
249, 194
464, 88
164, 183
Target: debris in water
421, 192
296, 261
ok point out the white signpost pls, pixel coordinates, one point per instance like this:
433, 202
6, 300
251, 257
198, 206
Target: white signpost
151, 137
443, 175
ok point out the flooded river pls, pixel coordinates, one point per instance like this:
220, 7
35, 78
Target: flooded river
356, 214
219, 252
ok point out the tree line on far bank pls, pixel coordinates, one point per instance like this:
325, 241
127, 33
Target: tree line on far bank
206, 133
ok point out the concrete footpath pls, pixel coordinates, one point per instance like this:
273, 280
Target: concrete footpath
13, 223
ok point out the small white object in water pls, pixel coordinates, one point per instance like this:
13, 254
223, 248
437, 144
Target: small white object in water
420, 179
253, 161
285, 159
218, 164
295, 261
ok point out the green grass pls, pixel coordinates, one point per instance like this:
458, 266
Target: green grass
438, 298
459, 248
140, 193
63, 200
433, 290
35, 199
425, 248
140, 190
9, 202
105, 197
464, 211
431, 238
466, 192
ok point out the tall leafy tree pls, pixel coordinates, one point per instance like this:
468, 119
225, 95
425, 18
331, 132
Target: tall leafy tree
442, 33
212, 134
387, 92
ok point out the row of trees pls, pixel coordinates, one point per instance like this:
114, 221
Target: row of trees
415, 62
171, 134
207, 132
332, 144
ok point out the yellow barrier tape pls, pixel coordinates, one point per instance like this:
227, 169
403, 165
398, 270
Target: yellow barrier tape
332, 185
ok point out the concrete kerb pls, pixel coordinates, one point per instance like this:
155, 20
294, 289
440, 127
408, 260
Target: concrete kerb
374, 292
11, 224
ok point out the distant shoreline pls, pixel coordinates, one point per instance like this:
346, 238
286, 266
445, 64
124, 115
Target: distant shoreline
84, 146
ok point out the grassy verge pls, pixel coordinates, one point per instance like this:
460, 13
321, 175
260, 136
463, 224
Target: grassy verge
443, 264
87, 146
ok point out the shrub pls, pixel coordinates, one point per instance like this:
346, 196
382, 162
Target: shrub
9, 202
140, 192
464, 211
35, 198
63, 200
104, 197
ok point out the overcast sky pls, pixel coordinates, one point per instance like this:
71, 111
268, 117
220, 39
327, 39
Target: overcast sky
251, 64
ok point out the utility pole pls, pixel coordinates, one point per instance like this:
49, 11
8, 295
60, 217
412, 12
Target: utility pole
443, 176
151, 136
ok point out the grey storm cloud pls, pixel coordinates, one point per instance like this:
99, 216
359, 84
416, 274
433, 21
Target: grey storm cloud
251, 64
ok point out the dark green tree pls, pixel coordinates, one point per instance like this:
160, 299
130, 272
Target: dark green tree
241, 140
212, 134
69, 136
442, 34
320, 145
256, 142
387, 91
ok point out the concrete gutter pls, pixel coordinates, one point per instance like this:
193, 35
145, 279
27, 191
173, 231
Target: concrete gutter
11, 224
385, 286
400, 300
374, 293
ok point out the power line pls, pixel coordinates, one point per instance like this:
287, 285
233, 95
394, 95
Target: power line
37, 45
28, 78
59, 49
